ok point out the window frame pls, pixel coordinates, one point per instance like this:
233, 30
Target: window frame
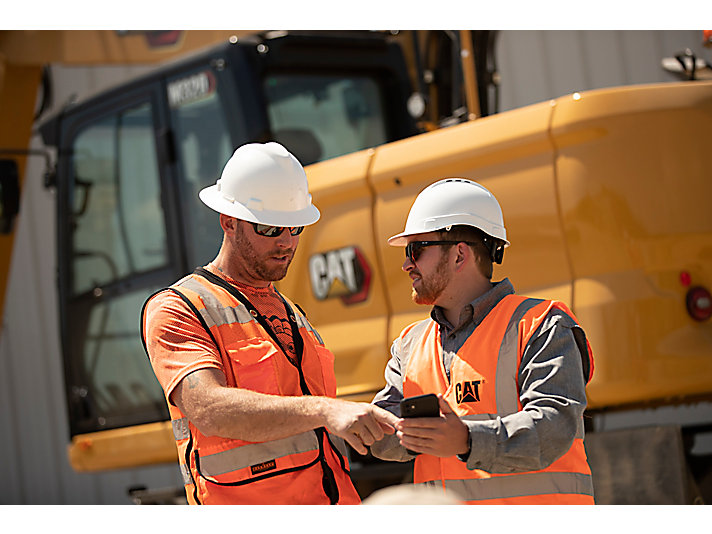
335, 75
75, 309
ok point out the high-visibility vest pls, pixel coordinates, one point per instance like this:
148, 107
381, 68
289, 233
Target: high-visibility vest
483, 386
308, 468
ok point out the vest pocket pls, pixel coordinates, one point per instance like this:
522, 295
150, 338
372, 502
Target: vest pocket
255, 473
254, 365
244, 464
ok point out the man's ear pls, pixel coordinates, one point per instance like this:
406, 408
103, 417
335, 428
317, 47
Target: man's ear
463, 251
228, 224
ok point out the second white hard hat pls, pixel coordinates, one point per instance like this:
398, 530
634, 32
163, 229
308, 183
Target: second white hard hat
451, 202
264, 184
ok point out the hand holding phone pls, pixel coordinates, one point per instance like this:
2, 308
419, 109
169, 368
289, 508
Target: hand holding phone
420, 406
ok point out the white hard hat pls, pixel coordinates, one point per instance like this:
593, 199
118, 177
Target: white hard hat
264, 184
451, 202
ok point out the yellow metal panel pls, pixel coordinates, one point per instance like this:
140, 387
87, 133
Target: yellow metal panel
635, 196
356, 333
18, 91
134, 446
95, 47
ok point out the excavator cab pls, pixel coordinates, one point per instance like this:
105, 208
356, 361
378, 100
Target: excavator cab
131, 162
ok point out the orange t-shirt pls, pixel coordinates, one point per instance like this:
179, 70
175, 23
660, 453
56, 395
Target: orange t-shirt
178, 344
269, 304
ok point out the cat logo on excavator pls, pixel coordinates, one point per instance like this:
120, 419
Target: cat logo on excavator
342, 273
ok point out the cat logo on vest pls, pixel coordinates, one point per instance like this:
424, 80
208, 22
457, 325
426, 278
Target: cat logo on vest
467, 391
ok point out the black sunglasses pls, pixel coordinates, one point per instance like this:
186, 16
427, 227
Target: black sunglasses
274, 231
414, 249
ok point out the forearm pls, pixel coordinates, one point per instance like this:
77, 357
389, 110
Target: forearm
250, 416
529, 440
236, 413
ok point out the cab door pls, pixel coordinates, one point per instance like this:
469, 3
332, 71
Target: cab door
115, 247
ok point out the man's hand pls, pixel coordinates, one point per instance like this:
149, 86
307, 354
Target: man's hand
360, 424
442, 436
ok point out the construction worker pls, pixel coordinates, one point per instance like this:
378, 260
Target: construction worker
249, 384
509, 371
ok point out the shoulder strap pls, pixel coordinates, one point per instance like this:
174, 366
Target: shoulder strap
296, 336
214, 279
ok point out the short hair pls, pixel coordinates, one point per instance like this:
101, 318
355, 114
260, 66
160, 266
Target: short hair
481, 250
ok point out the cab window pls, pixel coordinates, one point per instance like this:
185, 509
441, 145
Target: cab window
119, 248
118, 227
318, 117
203, 146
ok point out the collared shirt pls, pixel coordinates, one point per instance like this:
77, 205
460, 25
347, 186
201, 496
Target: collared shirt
551, 390
453, 337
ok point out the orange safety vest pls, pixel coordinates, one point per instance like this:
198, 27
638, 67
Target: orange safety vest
308, 468
484, 371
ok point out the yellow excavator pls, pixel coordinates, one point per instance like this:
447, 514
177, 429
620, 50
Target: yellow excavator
605, 195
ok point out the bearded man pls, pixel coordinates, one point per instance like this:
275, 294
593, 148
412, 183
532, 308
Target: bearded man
509, 371
249, 384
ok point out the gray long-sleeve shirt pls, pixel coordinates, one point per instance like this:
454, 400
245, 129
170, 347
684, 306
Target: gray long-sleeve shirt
551, 379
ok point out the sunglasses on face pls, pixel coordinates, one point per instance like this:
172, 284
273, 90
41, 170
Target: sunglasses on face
414, 249
274, 231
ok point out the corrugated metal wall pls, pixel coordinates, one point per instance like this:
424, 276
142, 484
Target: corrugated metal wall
534, 66
33, 459
538, 65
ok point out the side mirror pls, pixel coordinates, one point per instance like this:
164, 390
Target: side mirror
9, 194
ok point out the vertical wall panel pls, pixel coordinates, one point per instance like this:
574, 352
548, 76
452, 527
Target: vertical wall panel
567, 67
539, 65
10, 451
604, 65
26, 306
33, 415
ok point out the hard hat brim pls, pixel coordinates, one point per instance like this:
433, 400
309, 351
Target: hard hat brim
213, 198
400, 240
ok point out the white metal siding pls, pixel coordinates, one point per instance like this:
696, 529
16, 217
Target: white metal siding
33, 416
537, 65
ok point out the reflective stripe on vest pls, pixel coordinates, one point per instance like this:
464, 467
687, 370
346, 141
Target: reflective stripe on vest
524, 485
181, 430
185, 473
507, 392
256, 454
503, 334
215, 313
252, 455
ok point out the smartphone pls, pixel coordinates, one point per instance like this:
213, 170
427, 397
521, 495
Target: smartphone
420, 406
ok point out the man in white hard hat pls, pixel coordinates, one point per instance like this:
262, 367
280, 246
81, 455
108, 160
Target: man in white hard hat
249, 384
509, 371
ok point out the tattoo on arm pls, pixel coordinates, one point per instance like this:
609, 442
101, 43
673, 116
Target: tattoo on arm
192, 380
